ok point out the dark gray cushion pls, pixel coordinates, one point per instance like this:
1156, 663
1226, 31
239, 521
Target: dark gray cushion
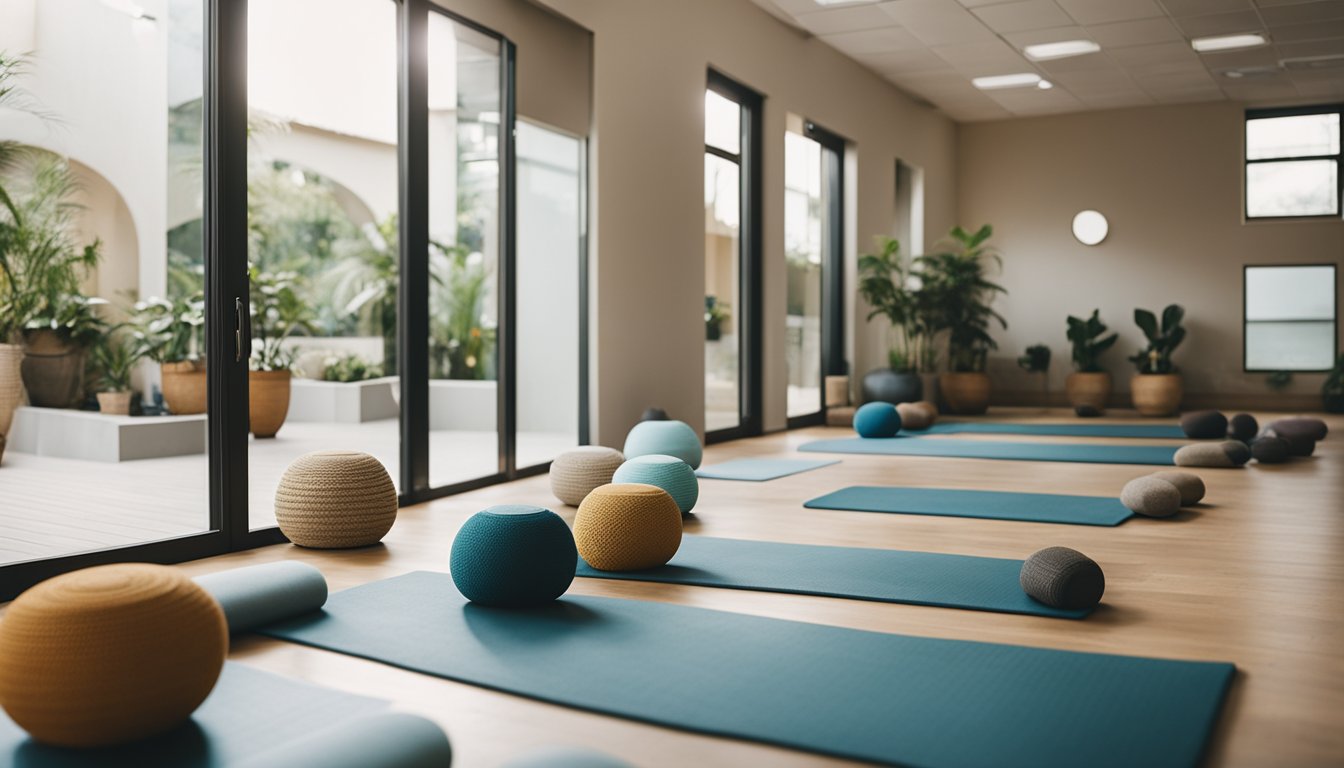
1190, 485
1063, 578
1242, 427
1204, 425
1313, 428
1270, 450
1300, 438
654, 414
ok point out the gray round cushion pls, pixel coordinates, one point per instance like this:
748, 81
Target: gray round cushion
1064, 578
1299, 438
1228, 453
1151, 496
1270, 450
1242, 427
1204, 425
653, 413
1190, 485
1312, 428
914, 416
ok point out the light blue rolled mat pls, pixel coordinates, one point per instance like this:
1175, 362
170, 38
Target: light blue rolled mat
392, 740
566, 757
263, 594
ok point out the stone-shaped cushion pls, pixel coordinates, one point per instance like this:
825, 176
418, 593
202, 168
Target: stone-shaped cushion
1151, 496
930, 408
579, 470
877, 419
1204, 425
1301, 437
513, 555
667, 438
1242, 427
627, 527
335, 500
110, 654
1229, 453
667, 472
1312, 428
1064, 578
913, 416
1087, 411
1269, 450
653, 413
1190, 485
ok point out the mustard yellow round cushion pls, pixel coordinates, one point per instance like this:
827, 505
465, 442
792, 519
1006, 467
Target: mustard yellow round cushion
627, 527
335, 500
110, 654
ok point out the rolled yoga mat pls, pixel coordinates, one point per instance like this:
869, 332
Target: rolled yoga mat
859, 695
882, 575
262, 594
1139, 431
990, 505
1091, 453
392, 740
760, 470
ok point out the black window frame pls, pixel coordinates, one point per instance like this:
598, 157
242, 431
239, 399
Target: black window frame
1338, 158
1244, 291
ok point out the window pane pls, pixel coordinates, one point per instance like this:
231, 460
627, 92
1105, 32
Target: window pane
723, 122
803, 211
1296, 136
1290, 318
1292, 188
1290, 346
722, 340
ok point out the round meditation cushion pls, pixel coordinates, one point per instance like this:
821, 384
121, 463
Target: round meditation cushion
627, 527
566, 757
667, 472
1151, 496
653, 413
913, 416
513, 555
1087, 411
1229, 453
1204, 425
668, 438
877, 419
1312, 428
1269, 449
1190, 485
1063, 578
1243, 427
110, 654
1300, 437
579, 470
930, 408
335, 500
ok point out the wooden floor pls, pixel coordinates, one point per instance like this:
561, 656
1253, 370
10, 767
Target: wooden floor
1254, 576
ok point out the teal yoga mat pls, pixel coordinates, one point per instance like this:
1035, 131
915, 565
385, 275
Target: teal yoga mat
1140, 431
990, 505
884, 698
1091, 453
759, 470
882, 575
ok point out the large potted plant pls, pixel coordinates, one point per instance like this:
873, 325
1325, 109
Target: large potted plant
18, 301
958, 295
114, 359
885, 282
1089, 386
1332, 392
56, 343
1156, 389
277, 311
172, 334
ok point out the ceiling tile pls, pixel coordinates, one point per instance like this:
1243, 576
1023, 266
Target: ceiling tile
1095, 80
1020, 40
1035, 100
1104, 11
1331, 89
1321, 30
1156, 53
982, 3
1260, 56
1189, 97
1220, 24
1116, 101
1310, 48
888, 62
1138, 32
873, 41
1078, 63
794, 7
1024, 15
1201, 7
1256, 92
1303, 12
844, 19
937, 22
984, 58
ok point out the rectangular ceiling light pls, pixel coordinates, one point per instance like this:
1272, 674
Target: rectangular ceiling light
994, 82
1060, 50
1227, 42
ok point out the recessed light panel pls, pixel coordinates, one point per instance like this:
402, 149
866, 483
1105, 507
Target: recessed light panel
1227, 42
1060, 50
1019, 80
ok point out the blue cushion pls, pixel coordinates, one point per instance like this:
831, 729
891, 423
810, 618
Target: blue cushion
877, 419
668, 438
667, 472
513, 555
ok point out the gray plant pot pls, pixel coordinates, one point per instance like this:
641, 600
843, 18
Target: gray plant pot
888, 386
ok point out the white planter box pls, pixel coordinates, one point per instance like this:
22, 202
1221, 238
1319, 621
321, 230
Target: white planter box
92, 436
339, 402
462, 405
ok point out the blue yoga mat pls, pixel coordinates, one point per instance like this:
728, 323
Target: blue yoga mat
882, 575
249, 713
758, 470
1140, 431
1091, 453
990, 505
884, 698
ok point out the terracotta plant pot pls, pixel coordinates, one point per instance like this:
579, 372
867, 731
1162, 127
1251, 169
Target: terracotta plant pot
966, 393
184, 391
268, 401
1088, 389
114, 403
11, 383
1156, 394
53, 370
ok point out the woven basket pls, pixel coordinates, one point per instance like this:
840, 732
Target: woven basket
11, 384
335, 500
627, 527
184, 387
576, 472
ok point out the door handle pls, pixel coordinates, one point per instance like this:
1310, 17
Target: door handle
242, 330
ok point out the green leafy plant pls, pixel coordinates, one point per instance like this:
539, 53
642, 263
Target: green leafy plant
350, 368
1088, 344
462, 343
1162, 339
1036, 359
1334, 383
1279, 380
170, 331
277, 312
716, 314
363, 285
956, 295
887, 282
115, 356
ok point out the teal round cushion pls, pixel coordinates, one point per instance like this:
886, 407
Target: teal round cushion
667, 472
877, 419
666, 438
513, 555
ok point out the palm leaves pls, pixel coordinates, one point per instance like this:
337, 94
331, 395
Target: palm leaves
958, 296
1087, 346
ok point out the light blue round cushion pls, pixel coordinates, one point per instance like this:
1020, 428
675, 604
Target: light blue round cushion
513, 555
667, 472
877, 419
667, 438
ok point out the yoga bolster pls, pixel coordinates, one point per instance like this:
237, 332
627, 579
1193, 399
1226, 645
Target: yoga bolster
877, 419
566, 757
1204, 425
1189, 484
262, 594
1313, 428
392, 740
1151, 496
1064, 578
1229, 453
913, 416
1270, 450
1242, 427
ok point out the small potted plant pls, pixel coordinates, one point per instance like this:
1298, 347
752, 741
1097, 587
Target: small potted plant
1332, 392
958, 293
886, 282
1036, 359
172, 334
114, 358
1089, 386
277, 312
1156, 389
716, 314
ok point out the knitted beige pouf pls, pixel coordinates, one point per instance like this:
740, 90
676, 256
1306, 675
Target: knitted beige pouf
627, 527
110, 654
577, 471
335, 499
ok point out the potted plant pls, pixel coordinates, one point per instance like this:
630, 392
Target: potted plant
114, 358
958, 294
1156, 389
885, 280
171, 333
1036, 359
716, 314
277, 311
1332, 392
55, 345
1089, 386
18, 301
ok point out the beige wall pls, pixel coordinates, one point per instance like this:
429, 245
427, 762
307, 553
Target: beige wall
1169, 180
650, 58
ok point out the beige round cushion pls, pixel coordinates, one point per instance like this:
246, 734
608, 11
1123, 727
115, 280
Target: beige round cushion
335, 499
579, 470
1189, 484
930, 408
1151, 496
914, 416
627, 527
110, 654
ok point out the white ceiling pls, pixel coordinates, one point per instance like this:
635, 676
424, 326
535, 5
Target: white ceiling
932, 49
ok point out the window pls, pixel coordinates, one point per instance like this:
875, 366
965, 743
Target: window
1293, 163
1291, 315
